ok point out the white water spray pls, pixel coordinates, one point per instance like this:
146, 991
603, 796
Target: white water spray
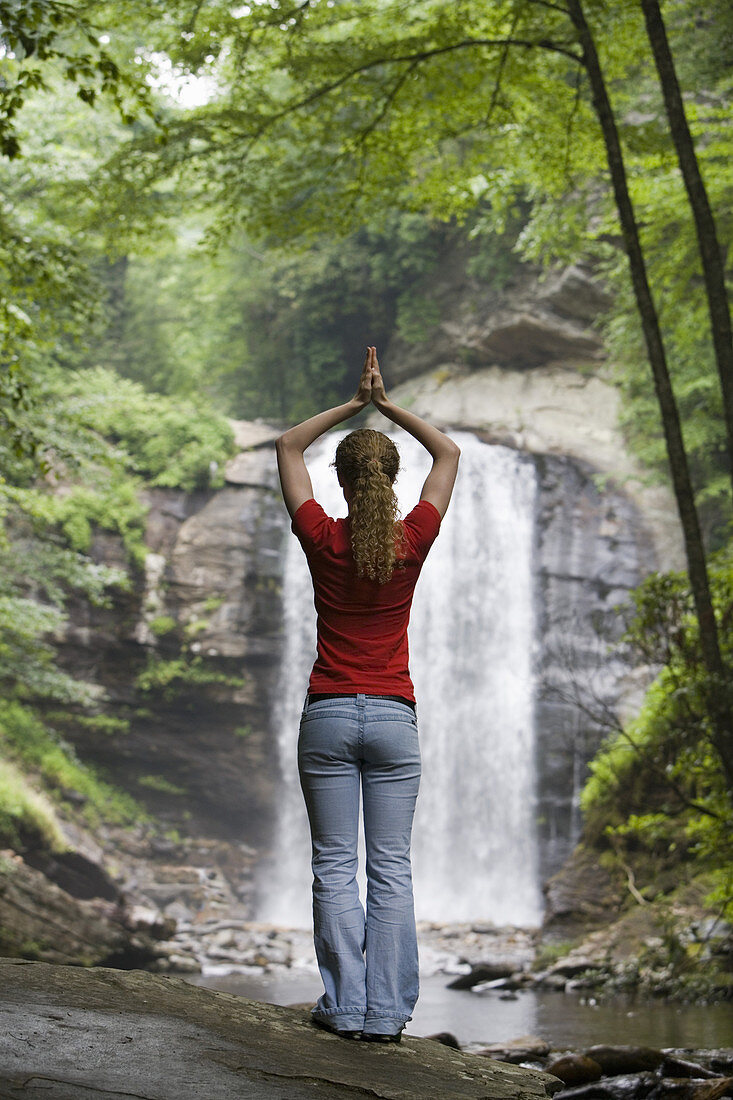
471, 649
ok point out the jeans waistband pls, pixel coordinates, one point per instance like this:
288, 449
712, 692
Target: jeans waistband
313, 697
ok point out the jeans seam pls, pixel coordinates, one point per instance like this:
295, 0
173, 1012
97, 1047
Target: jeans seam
356, 1010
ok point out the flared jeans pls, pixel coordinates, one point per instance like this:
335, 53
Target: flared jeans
369, 963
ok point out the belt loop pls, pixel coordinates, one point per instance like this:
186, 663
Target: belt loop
360, 699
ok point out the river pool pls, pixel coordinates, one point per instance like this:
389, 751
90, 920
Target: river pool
565, 1020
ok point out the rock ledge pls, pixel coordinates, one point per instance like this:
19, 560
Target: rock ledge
69, 1031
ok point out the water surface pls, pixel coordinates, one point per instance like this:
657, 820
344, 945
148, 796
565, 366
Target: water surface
565, 1020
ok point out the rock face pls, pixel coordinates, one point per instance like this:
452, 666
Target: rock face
532, 319
40, 920
67, 1032
188, 659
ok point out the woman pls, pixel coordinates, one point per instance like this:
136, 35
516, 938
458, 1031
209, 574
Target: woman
359, 724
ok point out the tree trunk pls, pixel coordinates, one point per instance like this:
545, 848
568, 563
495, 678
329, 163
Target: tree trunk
710, 251
697, 568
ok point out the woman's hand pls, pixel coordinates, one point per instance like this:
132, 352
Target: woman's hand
378, 394
363, 393
445, 453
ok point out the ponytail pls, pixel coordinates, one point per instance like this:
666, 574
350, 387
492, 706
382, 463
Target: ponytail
368, 461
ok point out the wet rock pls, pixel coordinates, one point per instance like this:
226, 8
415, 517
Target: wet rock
580, 896
39, 920
483, 972
143, 918
575, 1069
629, 1086
680, 1067
574, 964
625, 1059
75, 873
671, 1088
528, 1048
721, 1060
551, 981
447, 1038
101, 1033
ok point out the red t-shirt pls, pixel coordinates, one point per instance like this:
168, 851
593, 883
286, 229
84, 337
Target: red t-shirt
362, 625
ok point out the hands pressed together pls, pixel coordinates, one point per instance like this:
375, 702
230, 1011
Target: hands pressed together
371, 383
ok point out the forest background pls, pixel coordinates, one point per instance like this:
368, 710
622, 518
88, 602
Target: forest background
164, 267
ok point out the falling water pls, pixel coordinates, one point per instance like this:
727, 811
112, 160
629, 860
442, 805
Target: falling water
471, 649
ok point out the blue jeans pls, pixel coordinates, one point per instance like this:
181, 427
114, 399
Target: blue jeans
369, 965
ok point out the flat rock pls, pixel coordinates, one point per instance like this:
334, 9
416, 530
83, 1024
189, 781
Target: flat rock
67, 1032
253, 433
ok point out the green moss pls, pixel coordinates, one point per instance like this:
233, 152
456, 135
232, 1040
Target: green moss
171, 678
106, 724
26, 814
213, 603
162, 625
160, 783
548, 953
25, 739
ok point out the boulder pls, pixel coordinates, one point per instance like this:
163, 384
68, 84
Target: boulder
683, 1088
575, 1069
681, 1067
628, 1086
625, 1059
579, 896
482, 972
67, 1032
39, 920
527, 1048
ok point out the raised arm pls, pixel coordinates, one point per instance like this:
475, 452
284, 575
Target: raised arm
291, 445
445, 453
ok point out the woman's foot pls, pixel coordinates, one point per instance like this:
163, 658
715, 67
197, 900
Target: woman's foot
373, 1037
341, 1032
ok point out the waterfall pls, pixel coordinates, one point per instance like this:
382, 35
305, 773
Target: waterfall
471, 655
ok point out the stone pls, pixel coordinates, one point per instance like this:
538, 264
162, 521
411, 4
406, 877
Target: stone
447, 1038
574, 964
625, 1059
680, 1067
250, 468
525, 1049
75, 873
67, 1032
579, 896
249, 434
143, 918
684, 1088
630, 1086
40, 920
483, 972
575, 1069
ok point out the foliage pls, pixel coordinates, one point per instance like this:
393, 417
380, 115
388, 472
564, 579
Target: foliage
330, 118
171, 443
161, 784
657, 791
180, 675
41, 35
26, 816
28, 742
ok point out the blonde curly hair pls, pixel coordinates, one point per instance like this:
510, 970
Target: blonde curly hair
367, 462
